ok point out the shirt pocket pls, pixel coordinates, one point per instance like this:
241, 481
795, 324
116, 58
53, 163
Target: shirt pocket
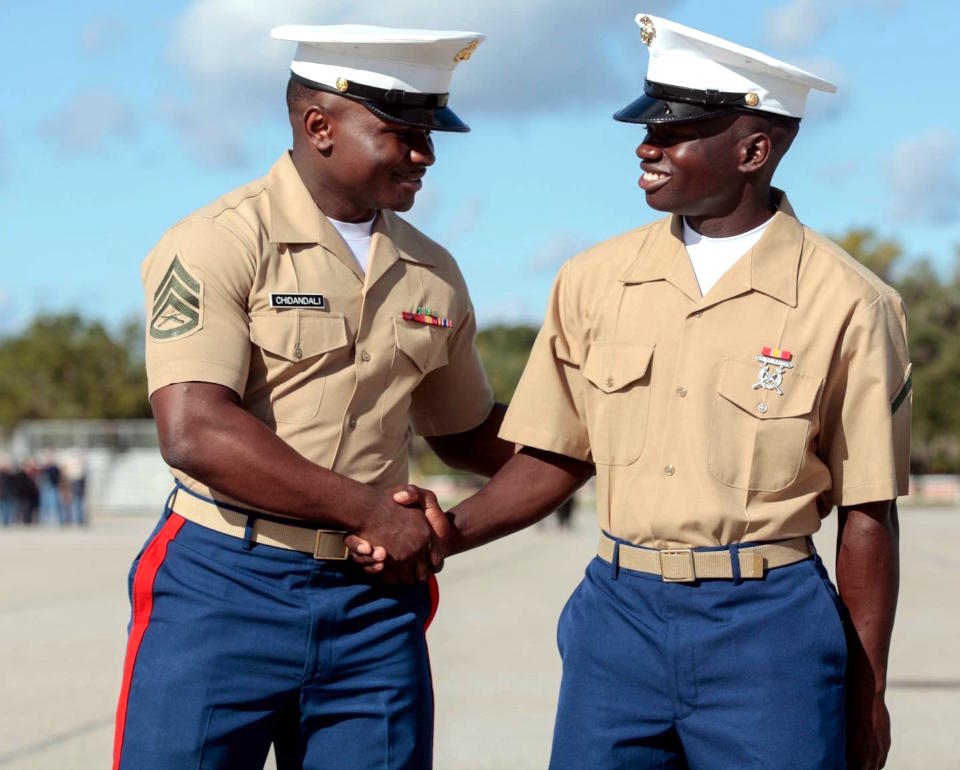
419, 349
758, 438
618, 401
298, 349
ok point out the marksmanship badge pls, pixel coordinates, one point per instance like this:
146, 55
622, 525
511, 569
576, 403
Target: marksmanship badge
773, 362
177, 304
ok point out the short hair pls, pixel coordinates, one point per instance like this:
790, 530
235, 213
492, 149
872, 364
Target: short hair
297, 93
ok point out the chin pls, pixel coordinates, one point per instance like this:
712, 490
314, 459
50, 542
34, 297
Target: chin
401, 204
659, 205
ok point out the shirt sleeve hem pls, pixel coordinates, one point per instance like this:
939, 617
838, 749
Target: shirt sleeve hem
196, 371
545, 440
872, 492
459, 423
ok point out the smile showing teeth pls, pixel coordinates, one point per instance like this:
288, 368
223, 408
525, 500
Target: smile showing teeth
653, 176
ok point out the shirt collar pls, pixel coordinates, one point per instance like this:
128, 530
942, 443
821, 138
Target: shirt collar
774, 260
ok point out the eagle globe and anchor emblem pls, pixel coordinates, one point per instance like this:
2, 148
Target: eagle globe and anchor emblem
773, 363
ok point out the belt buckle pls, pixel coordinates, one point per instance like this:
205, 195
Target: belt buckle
690, 574
324, 536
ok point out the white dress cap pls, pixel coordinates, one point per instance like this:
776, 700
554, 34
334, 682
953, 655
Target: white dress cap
400, 74
690, 67
415, 60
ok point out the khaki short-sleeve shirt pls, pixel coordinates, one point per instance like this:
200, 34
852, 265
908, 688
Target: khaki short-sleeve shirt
258, 292
743, 415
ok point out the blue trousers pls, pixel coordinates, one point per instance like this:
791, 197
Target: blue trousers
707, 675
228, 640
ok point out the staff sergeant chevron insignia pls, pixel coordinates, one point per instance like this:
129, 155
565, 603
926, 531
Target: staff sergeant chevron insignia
177, 304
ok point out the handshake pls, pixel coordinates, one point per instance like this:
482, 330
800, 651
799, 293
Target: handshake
407, 539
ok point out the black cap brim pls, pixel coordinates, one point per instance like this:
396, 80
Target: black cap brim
430, 118
418, 110
648, 109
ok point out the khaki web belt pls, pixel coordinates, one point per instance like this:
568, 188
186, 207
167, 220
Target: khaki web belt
322, 543
685, 565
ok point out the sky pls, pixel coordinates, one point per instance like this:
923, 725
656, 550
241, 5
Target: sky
117, 119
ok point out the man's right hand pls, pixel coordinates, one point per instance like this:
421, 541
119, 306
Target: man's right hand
374, 557
397, 539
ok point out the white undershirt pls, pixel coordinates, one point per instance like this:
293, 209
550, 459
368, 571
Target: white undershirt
712, 257
357, 236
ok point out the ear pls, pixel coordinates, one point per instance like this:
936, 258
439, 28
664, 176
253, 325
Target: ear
318, 128
755, 151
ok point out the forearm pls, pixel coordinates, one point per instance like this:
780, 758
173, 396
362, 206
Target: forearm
868, 578
224, 446
530, 485
478, 450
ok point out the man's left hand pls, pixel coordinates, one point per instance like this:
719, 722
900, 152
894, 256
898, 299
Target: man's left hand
868, 731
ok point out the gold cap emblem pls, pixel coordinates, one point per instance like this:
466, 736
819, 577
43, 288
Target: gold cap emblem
465, 53
751, 99
342, 84
647, 31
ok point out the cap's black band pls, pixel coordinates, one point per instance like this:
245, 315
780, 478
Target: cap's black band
707, 97
392, 96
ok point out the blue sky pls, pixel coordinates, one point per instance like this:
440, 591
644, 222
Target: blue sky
120, 118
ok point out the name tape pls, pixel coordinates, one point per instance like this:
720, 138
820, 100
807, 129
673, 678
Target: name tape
315, 301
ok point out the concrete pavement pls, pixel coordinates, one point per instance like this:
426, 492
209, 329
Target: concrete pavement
63, 615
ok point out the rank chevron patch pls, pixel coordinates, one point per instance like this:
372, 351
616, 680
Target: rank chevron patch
177, 304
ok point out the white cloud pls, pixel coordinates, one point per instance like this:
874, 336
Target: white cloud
925, 178
536, 56
556, 251
839, 174
89, 120
877, 5
10, 316
464, 222
101, 34
795, 24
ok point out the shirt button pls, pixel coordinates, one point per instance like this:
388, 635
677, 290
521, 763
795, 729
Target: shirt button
352, 423
297, 352
670, 470
364, 356
762, 407
698, 314
682, 392
609, 382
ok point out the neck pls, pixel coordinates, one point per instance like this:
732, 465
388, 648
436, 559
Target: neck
323, 190
753, 208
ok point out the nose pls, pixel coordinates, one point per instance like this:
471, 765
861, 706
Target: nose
648, 151
421, 150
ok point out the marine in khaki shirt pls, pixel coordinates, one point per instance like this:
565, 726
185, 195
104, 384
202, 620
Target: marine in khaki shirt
662, 389
340, 380
285, 381
722, 427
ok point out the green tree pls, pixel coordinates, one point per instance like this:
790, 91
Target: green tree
933, 309
879, 255
933, 335
65, 366
504, 351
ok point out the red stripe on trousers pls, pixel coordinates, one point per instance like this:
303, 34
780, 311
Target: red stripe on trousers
147, 570
434, 601
434, 589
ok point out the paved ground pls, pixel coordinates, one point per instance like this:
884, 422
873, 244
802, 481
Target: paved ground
63, 614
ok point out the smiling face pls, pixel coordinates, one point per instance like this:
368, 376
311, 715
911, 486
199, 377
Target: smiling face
374, 164
692, 168
353, 162
715, 172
